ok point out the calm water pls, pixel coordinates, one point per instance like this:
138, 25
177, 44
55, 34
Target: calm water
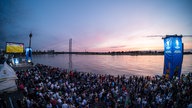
114, 65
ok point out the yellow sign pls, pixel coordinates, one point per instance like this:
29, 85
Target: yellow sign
14, 48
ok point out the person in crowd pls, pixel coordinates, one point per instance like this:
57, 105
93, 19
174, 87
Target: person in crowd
51, 87
3, 103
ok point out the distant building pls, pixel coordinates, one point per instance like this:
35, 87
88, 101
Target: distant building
51, 51
1, 51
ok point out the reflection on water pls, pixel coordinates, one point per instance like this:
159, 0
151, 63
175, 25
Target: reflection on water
70, 62
114, 65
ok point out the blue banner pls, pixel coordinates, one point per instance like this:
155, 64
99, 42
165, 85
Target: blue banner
173, 56
28, 54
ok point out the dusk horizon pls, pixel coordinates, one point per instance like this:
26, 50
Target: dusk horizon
95, 26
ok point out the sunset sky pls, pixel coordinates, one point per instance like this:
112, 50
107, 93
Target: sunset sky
94, 25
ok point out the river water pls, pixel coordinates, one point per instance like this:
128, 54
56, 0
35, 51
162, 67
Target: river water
147, 65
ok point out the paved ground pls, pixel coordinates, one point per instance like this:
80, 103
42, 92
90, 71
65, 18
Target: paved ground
22, 67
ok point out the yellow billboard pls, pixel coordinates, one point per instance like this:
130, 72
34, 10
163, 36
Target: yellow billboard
12, 47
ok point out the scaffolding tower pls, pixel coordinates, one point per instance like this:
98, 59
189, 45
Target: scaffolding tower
70, 45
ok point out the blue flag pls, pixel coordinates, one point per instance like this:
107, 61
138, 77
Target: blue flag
173, 56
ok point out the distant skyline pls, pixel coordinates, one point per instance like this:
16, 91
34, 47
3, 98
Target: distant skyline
94, 25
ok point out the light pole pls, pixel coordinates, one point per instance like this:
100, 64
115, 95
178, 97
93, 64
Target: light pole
30, 36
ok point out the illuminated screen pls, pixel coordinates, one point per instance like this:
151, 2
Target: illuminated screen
12, 47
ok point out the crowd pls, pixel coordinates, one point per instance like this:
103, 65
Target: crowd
50, 87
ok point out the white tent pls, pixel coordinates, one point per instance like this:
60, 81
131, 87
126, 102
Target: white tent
7, 78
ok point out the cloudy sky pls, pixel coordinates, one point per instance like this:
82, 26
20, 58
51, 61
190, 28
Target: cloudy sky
94, 25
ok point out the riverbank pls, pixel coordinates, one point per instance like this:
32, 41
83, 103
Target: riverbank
111, 53
47, 86
22, 66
